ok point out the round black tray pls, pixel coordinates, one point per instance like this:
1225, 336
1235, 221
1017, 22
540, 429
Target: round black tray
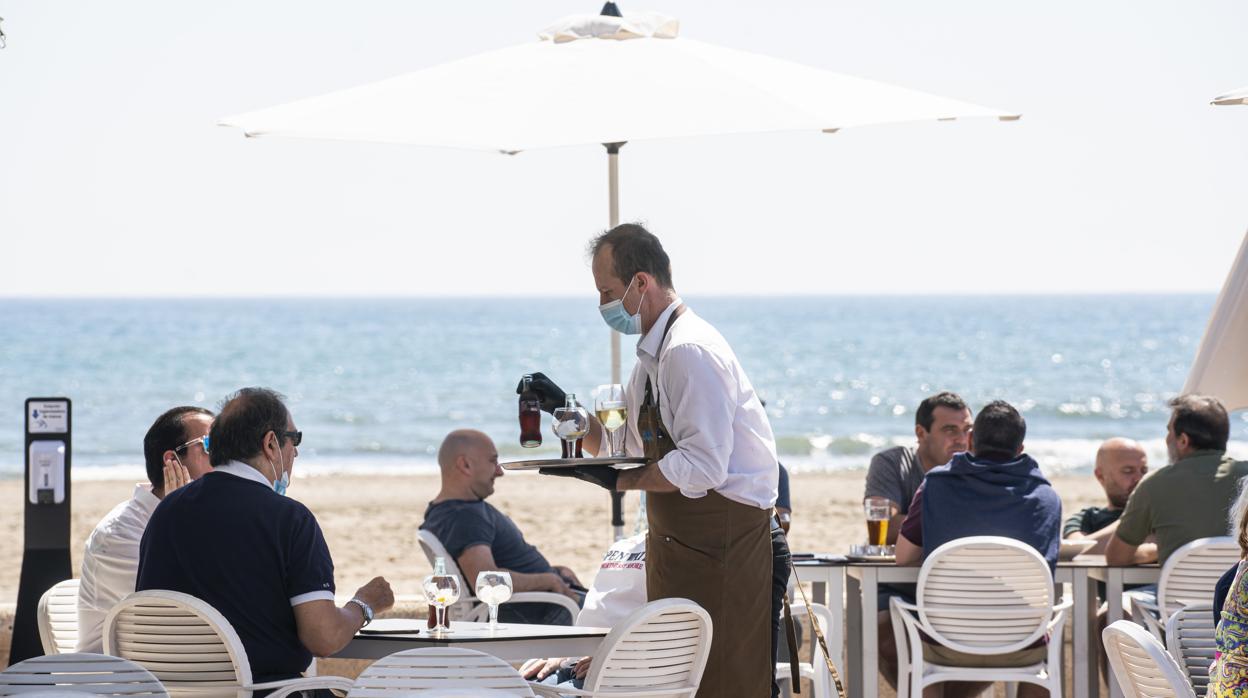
571, 463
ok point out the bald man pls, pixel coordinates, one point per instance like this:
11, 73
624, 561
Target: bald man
1120, 465
480, 537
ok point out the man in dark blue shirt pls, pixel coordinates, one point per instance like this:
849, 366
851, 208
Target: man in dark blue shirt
234, 541
481, 537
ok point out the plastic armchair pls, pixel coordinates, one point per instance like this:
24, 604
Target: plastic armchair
981, 595
79, 674
816, 670
468, 607
658, 650
190, 647
1188, 577
1141, 664
58, 618
1189, 639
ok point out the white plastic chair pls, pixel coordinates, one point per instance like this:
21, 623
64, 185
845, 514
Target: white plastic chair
1188, 577
815, 671
658, 651
1141, 664
1189, 638
58, 618
79, 674
982, 595
468, 608
189, 646
434, 671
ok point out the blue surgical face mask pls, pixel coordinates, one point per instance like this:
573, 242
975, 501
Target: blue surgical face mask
618, 318
279, 484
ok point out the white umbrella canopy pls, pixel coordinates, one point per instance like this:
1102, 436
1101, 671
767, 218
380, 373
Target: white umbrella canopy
1221, 366
1239, 96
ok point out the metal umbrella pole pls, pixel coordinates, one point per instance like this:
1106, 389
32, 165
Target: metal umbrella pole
613, 217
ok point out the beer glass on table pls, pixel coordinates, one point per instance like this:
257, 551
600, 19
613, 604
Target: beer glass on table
612, 412
877, 510
494, 588
441, 590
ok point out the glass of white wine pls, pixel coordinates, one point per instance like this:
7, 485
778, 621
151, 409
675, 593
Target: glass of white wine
494, 588
612, 412
441, 591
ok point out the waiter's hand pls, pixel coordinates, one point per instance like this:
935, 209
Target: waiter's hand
551, 395
604, 477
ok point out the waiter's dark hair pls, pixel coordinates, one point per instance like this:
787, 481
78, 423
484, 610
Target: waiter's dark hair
166, 433
1203, 419
998, 432
246, 416
923, 416
634, 249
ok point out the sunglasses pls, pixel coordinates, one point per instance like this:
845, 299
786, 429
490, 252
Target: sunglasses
203, 439
296, 437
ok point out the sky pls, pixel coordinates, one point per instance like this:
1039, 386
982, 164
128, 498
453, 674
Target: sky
116, 181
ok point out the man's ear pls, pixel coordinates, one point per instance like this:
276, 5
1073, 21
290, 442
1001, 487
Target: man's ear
970, 441
1021, 448
462, 464
919, 432
169, 457
1184, 442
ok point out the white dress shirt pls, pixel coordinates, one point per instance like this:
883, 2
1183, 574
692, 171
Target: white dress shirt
110, 563
712, 414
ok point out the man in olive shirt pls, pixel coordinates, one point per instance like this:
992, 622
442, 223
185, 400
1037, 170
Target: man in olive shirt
1120, 465
1187, 499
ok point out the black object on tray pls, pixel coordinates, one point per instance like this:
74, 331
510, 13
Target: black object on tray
571, 463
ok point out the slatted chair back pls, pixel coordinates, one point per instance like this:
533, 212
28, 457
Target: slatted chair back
79, 674
466, 607
1189, 638
1143, 667
1192, 571
58, 618
184, 641
660, 650
985, 595
439, 670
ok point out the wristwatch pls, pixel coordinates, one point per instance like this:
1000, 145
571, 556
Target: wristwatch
365, 608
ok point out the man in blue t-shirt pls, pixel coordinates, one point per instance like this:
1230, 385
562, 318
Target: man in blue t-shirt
234, 541
481, 537
994, 490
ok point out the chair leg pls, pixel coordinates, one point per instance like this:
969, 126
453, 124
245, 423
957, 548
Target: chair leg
1011, 689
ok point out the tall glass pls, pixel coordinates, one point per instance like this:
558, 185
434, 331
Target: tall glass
494, 588
441, 591
612, 412
877, 510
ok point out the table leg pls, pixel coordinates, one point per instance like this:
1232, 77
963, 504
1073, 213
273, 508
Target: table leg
1113, 590
1085, 645
836, 604
853, 608
870, 635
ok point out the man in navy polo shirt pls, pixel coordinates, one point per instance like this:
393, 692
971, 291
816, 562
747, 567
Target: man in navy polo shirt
993, 490
233, 540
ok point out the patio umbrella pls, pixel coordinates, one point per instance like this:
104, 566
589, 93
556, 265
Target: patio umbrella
601, 79
1239, 96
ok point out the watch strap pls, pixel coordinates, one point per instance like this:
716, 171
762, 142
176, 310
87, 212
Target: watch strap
365, 609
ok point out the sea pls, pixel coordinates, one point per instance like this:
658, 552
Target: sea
374, 384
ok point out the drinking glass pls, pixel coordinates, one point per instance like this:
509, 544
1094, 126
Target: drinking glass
494, 588
571, 423
877, 510
441, 590
612, 412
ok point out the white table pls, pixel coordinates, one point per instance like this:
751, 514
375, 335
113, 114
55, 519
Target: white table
827, 587
513, 642
863, 586
1115, 578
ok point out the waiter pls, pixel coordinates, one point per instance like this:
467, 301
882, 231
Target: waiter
711, 469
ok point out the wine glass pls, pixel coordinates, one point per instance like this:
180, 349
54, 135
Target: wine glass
571, 422
494, 588
441, 591
612, 412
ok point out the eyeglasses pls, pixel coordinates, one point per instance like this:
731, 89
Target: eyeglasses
296, 437
203, 439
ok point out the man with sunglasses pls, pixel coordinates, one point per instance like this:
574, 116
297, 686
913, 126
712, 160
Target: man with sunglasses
175, 451
233, 540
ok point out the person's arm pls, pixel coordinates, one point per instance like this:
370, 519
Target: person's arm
648, 478
1101, 537
324, 628
1119, 553
478, 558
1128, 545
908, 554
909, 549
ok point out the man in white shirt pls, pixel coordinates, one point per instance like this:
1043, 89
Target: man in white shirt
711, 473
175, 451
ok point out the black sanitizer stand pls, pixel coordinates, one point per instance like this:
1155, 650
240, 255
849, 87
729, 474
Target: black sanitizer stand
45, 558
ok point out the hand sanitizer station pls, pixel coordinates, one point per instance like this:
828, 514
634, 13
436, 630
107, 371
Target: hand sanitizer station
45, 558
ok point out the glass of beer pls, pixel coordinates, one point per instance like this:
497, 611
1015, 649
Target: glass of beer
877, 510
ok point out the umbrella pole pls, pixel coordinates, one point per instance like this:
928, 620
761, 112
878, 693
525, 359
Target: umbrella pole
613, 216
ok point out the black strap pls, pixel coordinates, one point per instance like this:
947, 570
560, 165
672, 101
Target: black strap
790, 635
651, 397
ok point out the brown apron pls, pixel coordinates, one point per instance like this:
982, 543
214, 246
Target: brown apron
716, 553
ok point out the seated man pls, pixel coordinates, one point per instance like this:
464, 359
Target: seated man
175, 451
1120, 465
232, 539
1187, 499
480, 537
994, 490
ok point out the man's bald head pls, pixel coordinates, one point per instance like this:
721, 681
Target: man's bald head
1120, 465
469, 461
